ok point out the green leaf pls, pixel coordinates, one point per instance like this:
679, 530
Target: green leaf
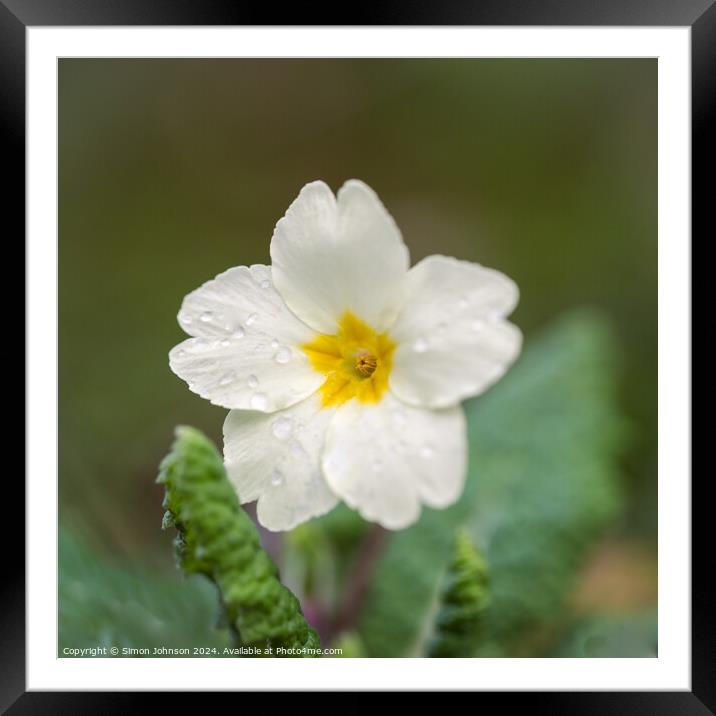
463, 601
542, 484
350, 646
106, 605
318, 555
626, 636
215, 537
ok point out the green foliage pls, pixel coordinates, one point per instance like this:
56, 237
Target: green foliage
632, 635
318, 555
542, 484
350, 645
105, 605
462, 602
215, 537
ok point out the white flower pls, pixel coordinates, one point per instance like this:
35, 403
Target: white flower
342, 366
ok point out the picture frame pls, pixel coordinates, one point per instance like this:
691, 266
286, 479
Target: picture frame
18, 16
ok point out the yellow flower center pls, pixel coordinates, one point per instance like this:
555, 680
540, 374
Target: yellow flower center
356, 361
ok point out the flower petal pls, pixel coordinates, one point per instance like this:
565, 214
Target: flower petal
245, 351
331, 255
385, 459
276, 459
453, 341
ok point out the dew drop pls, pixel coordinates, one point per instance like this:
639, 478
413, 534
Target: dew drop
225, 343
185, 318
227, 378
238, 333
259, 401
282, 428
274, 344
276, 478
206, 316
398, 418
426, 452
252, 318
283, 356
420, 345
463, 303
265, 283
252, 382
297, 449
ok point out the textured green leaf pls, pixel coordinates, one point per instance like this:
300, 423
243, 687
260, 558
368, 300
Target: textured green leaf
215, 537
463, 600
103, 604
542, 483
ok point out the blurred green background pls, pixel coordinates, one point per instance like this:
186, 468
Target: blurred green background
170, 171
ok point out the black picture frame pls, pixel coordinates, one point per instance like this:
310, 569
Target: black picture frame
699, 15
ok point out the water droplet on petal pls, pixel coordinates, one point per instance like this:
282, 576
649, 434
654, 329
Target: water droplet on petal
227, 378
265, 283
225, 343
252, 318
276, 478
206, 316
463, 303
185, 318
259, 401
420, 345
426, 452
283, 356
398, 418
274, 344
282, 427
238, 333
252, 381
297, 449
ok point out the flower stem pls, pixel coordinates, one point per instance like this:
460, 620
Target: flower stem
359, 580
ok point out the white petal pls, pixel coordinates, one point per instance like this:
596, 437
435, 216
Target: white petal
276, 459
453, 340
331, 255
246, 348
385, 459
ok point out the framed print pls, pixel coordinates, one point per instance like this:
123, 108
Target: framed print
359, 352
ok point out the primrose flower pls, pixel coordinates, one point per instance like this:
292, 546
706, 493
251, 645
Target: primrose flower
343, 368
